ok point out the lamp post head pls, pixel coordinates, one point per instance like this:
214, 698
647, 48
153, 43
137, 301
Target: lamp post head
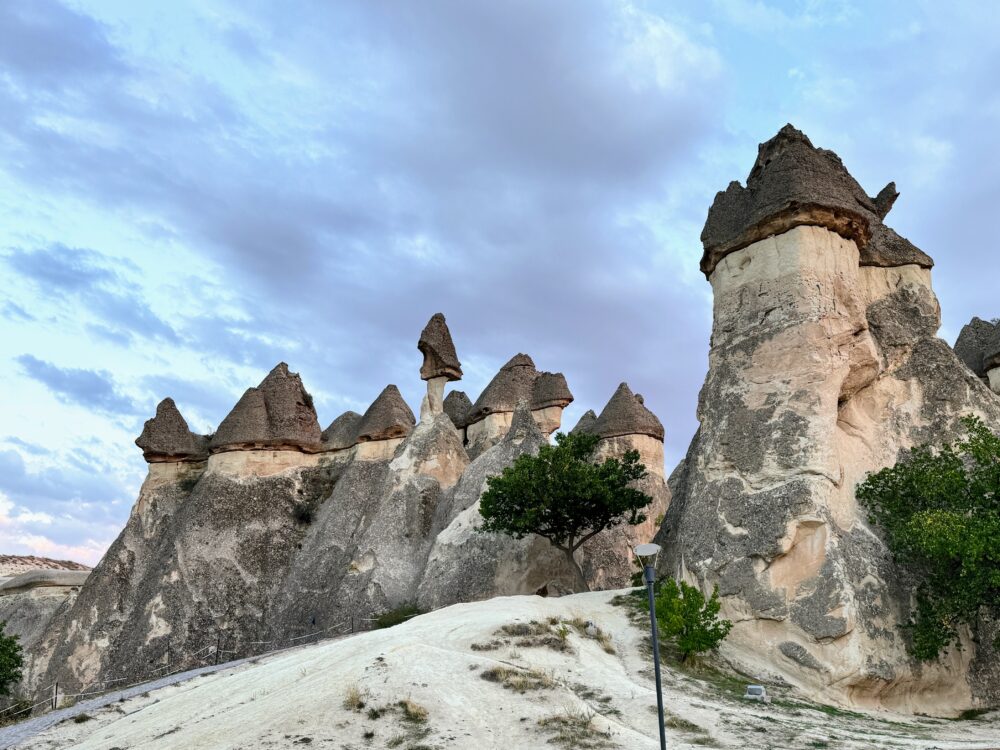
646, 553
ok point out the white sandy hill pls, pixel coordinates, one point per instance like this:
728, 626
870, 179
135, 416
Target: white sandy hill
422, 686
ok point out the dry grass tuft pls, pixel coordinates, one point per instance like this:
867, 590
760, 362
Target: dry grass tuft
355, 698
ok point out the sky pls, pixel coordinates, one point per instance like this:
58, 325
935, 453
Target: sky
192, 192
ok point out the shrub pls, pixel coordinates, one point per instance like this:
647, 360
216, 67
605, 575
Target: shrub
11, 660
686, 620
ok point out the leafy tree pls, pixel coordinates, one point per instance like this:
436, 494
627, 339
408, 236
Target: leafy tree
685, 619
940, 513
564, 495
11, 660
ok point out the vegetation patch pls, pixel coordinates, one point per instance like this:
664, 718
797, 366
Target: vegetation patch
939, 510
574, 729
519, 680
397, 616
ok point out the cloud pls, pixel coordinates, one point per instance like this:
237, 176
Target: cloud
91, 389
94, 283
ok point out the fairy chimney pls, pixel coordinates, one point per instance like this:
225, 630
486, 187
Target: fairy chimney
166, 437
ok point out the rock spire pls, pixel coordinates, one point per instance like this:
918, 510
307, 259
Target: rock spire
457, 406
166, 437
973, 342
440, 359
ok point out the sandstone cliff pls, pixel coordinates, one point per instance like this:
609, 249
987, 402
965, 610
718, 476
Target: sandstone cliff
824, 365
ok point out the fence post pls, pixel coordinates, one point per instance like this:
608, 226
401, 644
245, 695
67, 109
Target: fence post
218, 645
55, 695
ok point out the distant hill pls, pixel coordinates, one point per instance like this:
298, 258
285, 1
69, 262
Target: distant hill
12, 565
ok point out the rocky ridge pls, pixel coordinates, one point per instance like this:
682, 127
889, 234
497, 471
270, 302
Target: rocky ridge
280, 531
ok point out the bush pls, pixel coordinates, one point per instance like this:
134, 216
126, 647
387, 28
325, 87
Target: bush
11, 660
939, 511
685, 619
397, 616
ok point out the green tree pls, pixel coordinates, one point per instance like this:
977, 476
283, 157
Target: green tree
940, 513
11, 660
564, 495
685, 619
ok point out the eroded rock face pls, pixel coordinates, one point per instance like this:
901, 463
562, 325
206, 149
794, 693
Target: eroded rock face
29, 600
166, 437
972, 343
822, 368
279, 414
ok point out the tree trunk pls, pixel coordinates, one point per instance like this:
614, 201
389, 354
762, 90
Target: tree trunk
581, 579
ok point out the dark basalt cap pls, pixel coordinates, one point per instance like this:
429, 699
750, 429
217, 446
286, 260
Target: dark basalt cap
586, 423
973, 342
625, 414
438, 349
277, 413
388, 417
341, 432
515, 381
456, 406
550, 389
793, 183
166, 437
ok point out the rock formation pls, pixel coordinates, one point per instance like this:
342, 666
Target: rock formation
166, 437
30, 598
342, 432
287, 533
440, 364
978, 346
384, 425
824, 365
490, 417
278, 415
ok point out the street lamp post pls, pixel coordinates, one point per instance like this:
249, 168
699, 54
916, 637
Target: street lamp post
646, 553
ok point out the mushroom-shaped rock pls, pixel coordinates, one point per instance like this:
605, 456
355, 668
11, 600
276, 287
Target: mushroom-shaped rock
457, 406
388, 417
550, 390
341, 432
626, 414
278, 413
166, 437
586, 423
440, 359
515, 381
793, 183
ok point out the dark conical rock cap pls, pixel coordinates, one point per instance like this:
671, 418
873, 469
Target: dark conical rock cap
625, 414
277, 413
456, 406
973, 342
587, 422
550, 389
438, 349
387, 417
793, 183
515, 381
167, 437
342, 431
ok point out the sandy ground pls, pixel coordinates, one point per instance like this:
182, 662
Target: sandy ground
425, 684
